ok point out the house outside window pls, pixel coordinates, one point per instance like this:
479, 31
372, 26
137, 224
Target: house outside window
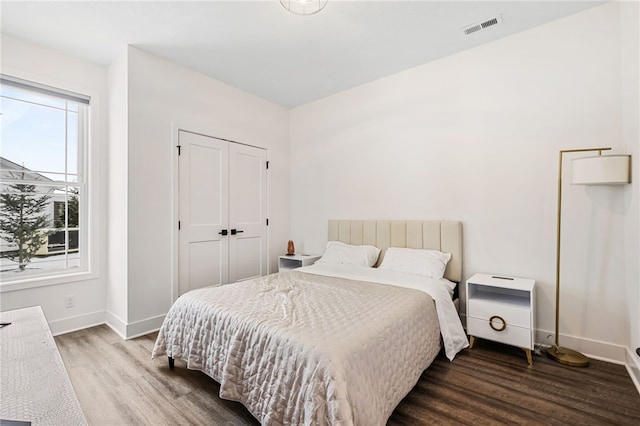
43, 185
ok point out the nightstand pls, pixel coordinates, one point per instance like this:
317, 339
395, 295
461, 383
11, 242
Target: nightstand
286, 263
501, 309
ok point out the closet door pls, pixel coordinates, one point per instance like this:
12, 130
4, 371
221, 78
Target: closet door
203, 257
247, 212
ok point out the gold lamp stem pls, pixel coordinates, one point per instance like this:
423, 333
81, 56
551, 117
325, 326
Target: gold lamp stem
565, 355
558, 248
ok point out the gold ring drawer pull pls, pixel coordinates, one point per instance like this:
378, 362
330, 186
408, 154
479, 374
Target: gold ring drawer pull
496, 317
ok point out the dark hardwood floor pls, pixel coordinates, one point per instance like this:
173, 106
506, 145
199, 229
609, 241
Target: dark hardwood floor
118, 383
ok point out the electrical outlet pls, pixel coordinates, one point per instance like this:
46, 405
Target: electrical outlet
69, 301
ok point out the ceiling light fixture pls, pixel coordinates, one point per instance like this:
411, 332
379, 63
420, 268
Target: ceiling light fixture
304, 7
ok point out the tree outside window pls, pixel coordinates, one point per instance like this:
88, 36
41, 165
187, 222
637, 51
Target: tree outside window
23, 221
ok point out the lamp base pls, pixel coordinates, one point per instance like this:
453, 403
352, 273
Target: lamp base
567, 356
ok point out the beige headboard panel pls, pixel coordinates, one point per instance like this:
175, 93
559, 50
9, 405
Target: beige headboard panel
445, 236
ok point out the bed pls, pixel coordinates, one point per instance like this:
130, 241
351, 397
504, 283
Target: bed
335, 344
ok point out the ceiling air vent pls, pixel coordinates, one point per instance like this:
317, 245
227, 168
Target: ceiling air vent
470, 29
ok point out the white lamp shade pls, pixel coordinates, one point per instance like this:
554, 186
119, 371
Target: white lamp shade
601, 170
304, 7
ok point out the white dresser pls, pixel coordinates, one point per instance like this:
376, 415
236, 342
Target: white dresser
501, 309
35, 386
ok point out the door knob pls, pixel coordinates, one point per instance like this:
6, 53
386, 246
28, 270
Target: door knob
223, 232
235, 231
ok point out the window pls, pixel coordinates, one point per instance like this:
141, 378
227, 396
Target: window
43, 188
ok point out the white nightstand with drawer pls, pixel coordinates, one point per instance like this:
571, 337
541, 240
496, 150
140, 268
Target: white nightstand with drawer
286, 263
501, 309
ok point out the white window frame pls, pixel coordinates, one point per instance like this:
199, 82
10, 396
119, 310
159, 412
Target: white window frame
86, 163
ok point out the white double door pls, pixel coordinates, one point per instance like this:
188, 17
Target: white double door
222, 212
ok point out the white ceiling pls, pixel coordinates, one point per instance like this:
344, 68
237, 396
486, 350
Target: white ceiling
261, 48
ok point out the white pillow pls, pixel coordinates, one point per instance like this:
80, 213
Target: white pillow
338, 252
428, 263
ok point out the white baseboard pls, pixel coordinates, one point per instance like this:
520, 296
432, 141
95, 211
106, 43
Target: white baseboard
122, 329
146, 326
593, 349
135, 329
633, 367
116, 324
67, 325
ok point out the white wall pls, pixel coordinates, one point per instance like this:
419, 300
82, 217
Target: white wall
117, 164
630, 42
31, 62
475, 137
163, 97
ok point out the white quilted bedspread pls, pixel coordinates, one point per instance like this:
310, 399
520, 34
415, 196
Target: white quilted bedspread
297, 348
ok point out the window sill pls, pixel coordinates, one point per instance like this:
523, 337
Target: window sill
42, 281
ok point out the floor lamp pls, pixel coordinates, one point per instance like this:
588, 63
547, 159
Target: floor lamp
598, 170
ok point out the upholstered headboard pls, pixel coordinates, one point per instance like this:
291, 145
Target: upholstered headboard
445, 236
